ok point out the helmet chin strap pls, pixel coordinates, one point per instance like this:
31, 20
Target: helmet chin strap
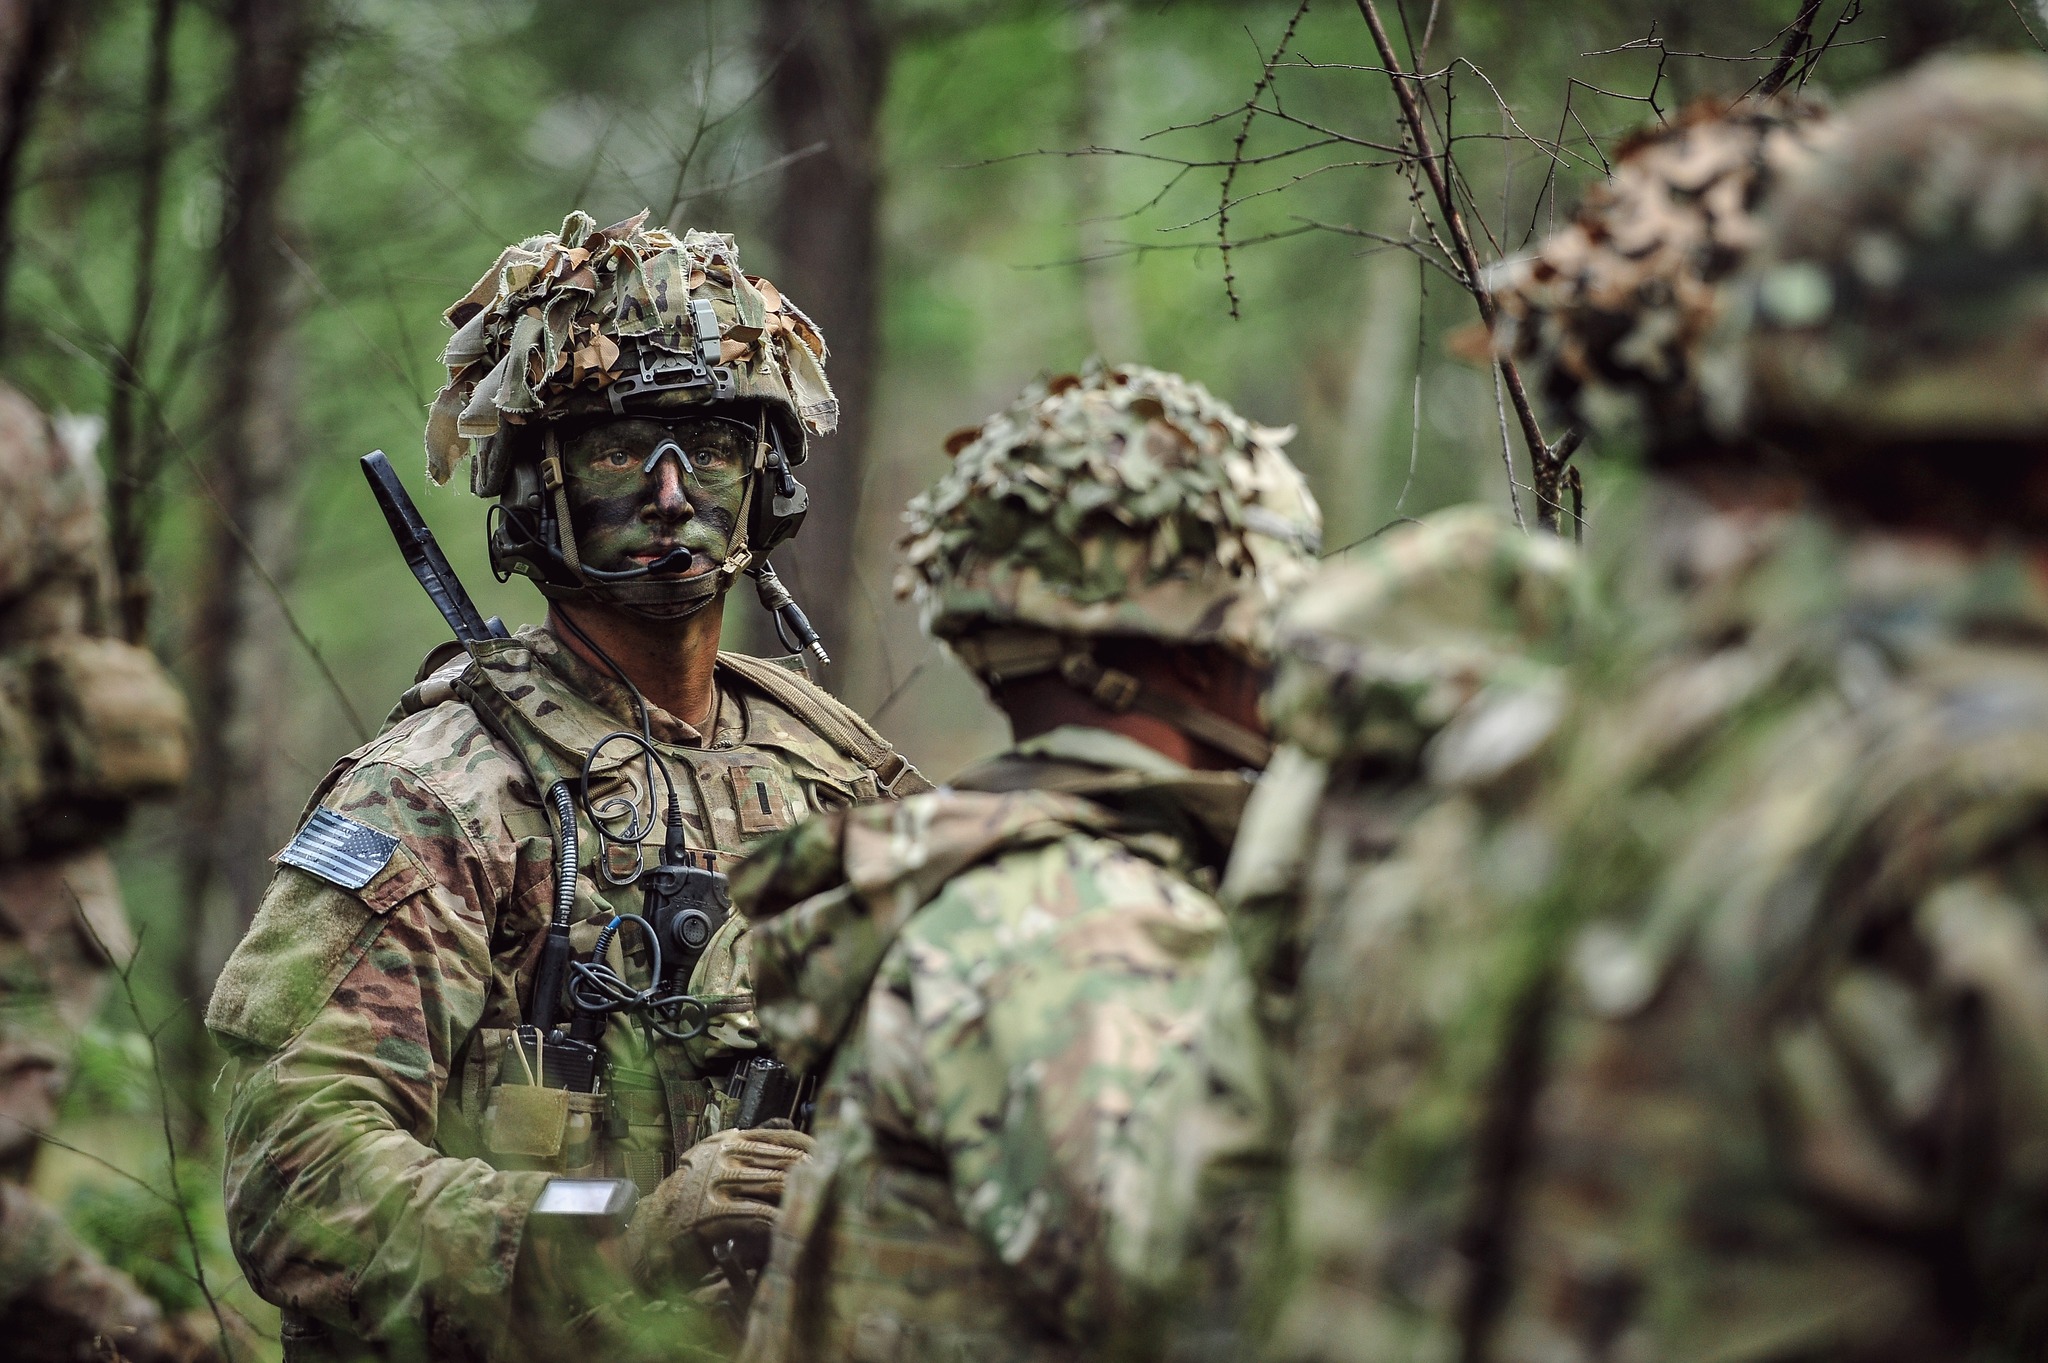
1011, 655
648, 596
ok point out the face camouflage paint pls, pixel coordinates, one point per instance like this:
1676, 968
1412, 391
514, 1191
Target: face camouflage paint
640, 488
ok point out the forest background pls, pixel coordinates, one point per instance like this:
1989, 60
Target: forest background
228, 229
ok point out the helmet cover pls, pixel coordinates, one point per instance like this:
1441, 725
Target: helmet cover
624, 320
1120, 501
1613, 312
1901, 291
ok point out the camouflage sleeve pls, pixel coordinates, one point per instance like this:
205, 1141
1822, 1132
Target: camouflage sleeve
1916, 1085
1081, 1028
348, 1008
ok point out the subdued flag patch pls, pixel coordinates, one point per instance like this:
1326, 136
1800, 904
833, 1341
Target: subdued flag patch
339, 850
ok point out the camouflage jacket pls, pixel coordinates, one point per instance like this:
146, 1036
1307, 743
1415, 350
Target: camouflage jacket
1042, 1082
88, 723
1427, 657
364, 1194
1718, 1033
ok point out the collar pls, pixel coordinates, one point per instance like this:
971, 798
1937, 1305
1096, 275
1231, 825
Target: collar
578, 685
1796, 574
538, 686
1105, 748
1124, 775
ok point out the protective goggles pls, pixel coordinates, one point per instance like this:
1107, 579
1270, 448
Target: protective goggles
712, 452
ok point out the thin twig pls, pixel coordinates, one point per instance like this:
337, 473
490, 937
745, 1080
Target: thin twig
1851, 12
59, 1143
241, 538
1796, 39
2019, 15
901, 687
1468, 260
1507, 450
291, 618
1244, 131
125, 973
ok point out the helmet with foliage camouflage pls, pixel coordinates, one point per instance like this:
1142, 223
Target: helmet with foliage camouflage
1122, 501
1901, 292
1613, 311
1445, 633
625, 320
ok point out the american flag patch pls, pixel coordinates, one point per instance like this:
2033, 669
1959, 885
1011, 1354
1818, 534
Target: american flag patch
339, 850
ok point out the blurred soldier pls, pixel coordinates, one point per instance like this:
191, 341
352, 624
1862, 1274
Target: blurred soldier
88, 724
1719, 1033
1042, 1082
404, 1111
1425, 660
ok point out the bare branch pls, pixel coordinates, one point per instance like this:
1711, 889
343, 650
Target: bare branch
125, 973
1544, 469
1244, 131
1796, 39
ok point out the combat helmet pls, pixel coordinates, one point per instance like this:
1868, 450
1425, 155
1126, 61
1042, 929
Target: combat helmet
1901, 291
1613, 313
625, 320
1121, 501
1439, 643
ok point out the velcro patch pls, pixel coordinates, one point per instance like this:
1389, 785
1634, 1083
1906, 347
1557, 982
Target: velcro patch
339, 850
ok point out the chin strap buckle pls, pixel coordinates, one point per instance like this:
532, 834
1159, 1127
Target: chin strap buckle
1107, 687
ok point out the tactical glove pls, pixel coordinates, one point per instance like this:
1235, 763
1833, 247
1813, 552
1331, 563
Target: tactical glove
725, 1191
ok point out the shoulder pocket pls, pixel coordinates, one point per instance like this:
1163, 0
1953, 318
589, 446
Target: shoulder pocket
307, 935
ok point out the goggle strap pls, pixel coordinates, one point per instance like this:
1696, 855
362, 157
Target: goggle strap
565, 529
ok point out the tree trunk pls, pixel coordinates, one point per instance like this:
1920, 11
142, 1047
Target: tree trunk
240, 666
829, 63
134, 444
29, 32
1108, 296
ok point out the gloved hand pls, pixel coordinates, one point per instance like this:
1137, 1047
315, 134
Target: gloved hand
727, 1188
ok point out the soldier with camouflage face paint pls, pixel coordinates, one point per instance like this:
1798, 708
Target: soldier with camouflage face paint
636, 404
1043, 1086
88, 724
1716, 1032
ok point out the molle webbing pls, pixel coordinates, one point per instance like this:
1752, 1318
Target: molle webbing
832, 721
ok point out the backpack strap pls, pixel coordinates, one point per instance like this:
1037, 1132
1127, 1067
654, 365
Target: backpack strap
834, 721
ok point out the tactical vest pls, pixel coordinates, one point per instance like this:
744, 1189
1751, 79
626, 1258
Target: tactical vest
658, 1096
873, 1259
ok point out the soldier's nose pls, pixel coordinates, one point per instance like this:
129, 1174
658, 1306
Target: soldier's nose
669, 502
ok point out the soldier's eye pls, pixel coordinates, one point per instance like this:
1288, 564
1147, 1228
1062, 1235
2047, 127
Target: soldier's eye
615, 459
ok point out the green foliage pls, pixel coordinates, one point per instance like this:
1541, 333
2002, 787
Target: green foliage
140, 1232
112, 1076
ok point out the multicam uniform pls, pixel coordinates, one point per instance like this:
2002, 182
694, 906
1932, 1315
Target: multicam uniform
1046, 1118
1423, 661
1717, 1034
387, 1140
1722, 1043
87, 724
374, 1018
1022, 999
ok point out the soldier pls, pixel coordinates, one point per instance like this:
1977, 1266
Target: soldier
1042, 1082
406, 1120
88, 724
1717, 1034
1427, 659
